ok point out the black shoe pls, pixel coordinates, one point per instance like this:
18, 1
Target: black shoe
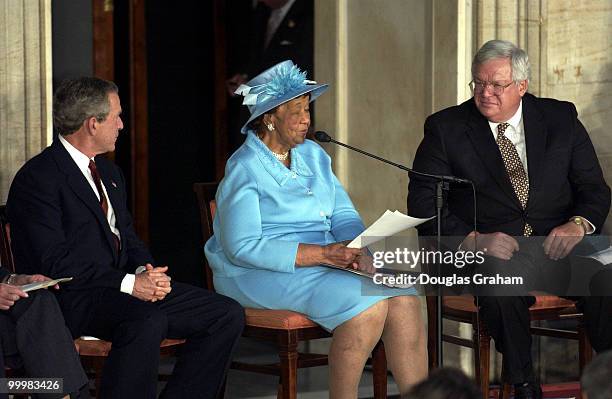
531, 390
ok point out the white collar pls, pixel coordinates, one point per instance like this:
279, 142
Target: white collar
514, 121
79, 158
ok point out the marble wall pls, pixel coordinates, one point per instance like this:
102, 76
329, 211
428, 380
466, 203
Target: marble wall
372, 54
25, 84
579, 68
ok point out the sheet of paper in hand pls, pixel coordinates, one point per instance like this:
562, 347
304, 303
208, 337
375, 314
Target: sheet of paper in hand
388, 224
43, 284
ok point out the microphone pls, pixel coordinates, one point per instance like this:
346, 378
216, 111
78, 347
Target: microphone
326, 138
440, 187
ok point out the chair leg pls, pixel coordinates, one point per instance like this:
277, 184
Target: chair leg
379, 371
482, 348
98, 365
585, 350
505, 390
288, 363
432, 340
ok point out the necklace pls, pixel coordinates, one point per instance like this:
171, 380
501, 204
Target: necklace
281, 157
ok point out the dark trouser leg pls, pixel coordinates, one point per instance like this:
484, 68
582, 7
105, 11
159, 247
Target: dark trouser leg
598, 320
507, 320
136, 329
597, 309
44, 343
212, 324
2, 328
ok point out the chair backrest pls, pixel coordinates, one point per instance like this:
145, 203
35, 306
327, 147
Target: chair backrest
205, 194
6, 256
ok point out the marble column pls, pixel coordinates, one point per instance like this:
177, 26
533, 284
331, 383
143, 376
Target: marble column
25, 84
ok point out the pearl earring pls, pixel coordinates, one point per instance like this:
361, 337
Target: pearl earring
270, 126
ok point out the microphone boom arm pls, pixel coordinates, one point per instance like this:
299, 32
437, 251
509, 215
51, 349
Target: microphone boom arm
325, 138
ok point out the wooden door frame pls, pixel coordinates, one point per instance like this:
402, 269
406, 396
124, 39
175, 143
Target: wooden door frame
104, 67
139, 118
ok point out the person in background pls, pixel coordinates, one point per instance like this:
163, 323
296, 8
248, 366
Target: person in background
268, 32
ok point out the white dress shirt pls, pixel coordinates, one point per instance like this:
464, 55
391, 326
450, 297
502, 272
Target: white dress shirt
516, 134
82, 162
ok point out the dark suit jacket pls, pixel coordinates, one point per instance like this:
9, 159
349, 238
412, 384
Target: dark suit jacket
3, 273
565, 178
58, 228
293, 40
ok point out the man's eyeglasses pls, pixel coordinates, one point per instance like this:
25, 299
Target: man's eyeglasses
478, 87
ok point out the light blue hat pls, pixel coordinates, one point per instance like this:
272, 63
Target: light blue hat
275, 86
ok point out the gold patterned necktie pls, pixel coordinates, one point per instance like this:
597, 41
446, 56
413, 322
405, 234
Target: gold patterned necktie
515, 169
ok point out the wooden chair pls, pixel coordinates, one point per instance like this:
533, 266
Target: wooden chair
282, 327
463, 310
93, 352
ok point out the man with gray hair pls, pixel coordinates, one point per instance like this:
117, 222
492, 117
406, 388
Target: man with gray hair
69, 218
536, 174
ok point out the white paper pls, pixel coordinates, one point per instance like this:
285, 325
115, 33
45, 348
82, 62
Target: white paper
388, 224
43, 284
604, 257
89, 338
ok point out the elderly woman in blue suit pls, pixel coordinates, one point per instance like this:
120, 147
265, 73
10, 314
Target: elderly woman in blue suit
281, 213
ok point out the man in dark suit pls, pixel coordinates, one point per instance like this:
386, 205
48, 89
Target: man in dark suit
278, 30
68, 214
536, 174
271, 32
33, 335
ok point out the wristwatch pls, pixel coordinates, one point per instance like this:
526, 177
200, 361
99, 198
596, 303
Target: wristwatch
580, 222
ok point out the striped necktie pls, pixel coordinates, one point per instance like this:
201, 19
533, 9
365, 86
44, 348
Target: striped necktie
103, 199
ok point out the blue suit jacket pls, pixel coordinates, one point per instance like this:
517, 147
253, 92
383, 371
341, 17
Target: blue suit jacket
58, 228
265, 210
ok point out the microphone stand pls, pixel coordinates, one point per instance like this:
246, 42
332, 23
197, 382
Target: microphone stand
441, 185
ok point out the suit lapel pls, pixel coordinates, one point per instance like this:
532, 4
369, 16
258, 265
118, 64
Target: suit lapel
535, 142
80, 186
482, 139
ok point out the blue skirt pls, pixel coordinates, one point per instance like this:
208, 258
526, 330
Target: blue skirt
327, 296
